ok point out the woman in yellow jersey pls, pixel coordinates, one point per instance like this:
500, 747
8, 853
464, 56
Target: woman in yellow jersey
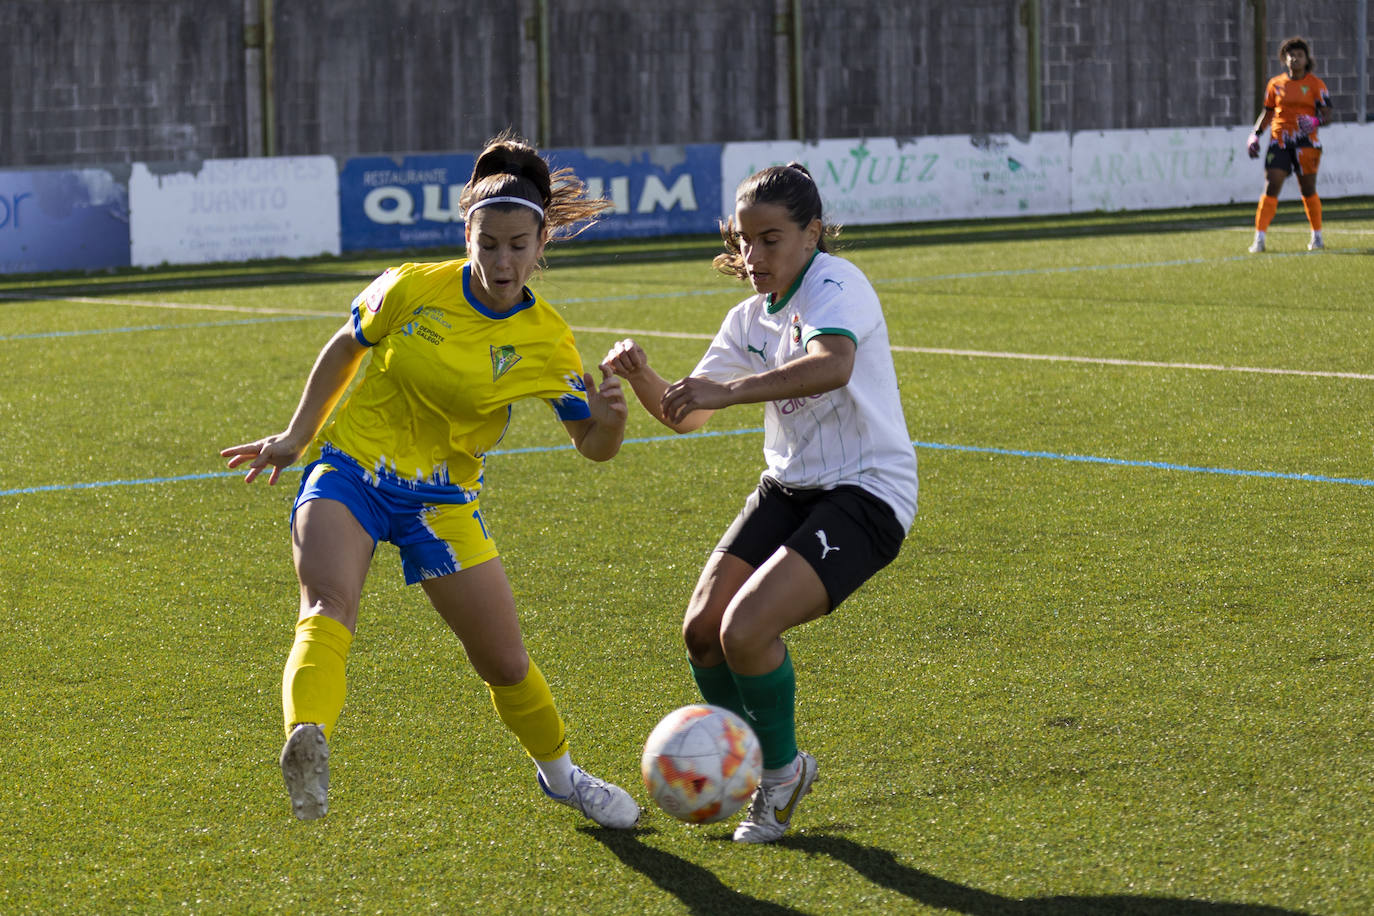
1296, 103
453, 345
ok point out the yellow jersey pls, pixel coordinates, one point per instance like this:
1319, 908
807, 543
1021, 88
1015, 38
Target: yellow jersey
444, 372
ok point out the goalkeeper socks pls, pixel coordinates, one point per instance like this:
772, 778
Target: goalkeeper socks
717, 686
1313, 207
1264, 213
770, 700
313, 686
528, 711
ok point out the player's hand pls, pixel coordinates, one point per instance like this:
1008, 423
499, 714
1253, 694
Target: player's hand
1307, 125
1253, 146
606, 401
689, 394
276, 452
625, 359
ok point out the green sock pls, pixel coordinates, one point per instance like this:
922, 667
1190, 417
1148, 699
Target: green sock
770, 700
717, 686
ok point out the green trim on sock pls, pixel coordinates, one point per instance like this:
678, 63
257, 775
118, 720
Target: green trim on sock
770, 700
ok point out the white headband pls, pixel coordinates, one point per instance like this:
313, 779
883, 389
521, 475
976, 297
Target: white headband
507, 200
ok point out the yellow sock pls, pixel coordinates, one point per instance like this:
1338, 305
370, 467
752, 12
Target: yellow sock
312, 686
1313, 206
1264, 213
527, 709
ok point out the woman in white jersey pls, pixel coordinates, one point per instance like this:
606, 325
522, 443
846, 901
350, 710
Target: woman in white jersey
839, 492
454, 344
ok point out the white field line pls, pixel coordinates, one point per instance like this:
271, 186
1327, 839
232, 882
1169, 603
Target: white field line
677, 335
1304, 229
1139, 363
1042, 357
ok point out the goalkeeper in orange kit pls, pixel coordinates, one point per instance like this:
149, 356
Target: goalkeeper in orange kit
1296, 103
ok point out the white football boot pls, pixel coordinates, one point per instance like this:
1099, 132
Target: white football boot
305, 769
770, 813
606, 803
1258, 244
1316, 243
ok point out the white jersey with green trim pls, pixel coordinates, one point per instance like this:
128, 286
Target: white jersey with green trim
853, 435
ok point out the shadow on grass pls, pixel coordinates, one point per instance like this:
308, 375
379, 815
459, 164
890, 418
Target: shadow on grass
698, 888
881, 867
703, 893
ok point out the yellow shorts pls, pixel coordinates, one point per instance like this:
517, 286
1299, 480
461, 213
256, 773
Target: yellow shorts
434, 539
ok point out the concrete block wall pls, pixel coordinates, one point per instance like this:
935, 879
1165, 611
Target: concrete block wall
110, 81
363, 76
1330, 28
626, 72
88, 82
913, 69
1127, 65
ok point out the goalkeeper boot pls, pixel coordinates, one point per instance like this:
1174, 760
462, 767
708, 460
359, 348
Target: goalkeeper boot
770, 813
305, 769
606, 803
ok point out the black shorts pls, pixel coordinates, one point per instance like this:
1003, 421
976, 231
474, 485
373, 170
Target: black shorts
1300, 157
847, 534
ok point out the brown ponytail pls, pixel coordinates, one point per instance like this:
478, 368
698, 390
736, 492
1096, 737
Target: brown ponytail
511, 167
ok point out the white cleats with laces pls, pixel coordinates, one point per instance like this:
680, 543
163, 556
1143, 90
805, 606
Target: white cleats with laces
305, 769
606, 803
770, 813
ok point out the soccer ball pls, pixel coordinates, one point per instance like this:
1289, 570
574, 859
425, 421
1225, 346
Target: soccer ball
701, 763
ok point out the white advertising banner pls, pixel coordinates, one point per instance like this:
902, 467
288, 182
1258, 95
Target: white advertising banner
887, 180
1162, 169
233, 210
1347, 168
1159, 169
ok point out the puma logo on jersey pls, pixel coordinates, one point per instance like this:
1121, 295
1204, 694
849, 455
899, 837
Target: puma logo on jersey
836, 282
753, 349
825, 545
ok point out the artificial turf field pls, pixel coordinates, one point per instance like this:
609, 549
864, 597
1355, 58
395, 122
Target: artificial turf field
1122, 665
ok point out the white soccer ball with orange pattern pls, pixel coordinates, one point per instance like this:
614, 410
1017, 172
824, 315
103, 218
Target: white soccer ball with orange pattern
701, 763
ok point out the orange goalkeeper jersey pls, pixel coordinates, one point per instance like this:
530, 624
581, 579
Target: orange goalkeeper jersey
1289, 98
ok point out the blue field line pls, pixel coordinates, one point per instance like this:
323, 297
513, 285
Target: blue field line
937, 446
1155, 465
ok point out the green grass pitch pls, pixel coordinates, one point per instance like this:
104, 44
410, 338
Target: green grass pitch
1122, 665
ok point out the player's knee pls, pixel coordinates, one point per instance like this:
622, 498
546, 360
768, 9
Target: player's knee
702, 638
500, 669
744, 638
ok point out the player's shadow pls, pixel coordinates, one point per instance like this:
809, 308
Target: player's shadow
703, 893
698, 888
881, 867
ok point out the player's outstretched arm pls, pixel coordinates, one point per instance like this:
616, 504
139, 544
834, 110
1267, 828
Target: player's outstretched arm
334, 368
827, 365
599, 436
628, 360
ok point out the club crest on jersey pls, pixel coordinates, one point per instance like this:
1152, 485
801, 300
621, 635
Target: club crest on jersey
502, 359
796, 329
